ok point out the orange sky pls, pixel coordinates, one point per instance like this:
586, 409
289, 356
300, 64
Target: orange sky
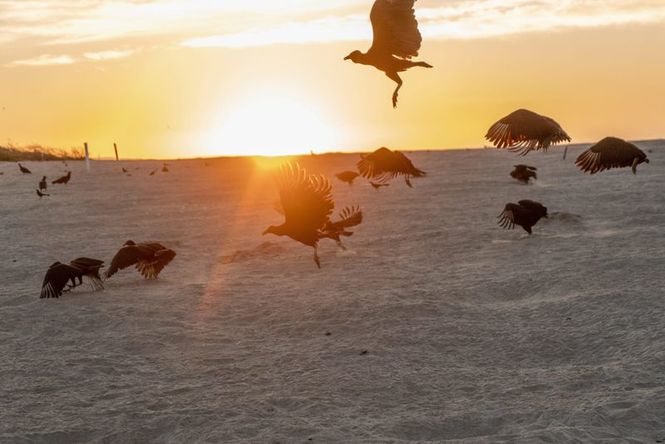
165, 79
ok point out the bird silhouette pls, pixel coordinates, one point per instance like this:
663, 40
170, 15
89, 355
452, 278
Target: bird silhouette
383, 165
124, 170
396, 41
524, 131
609, 153
64, 180
43, 185
165, 168
307, 204
378, 186
23, 169
150, 258
525, 213
347, 176
524, 173
40, 194
62, 278
152, 173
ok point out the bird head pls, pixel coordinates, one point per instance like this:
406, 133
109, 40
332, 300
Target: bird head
355, 56
129, 243
647, 161
273, 229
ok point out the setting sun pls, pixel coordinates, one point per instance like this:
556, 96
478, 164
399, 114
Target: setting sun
271, 124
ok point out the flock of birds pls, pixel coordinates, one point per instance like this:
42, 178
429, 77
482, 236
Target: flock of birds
306, 200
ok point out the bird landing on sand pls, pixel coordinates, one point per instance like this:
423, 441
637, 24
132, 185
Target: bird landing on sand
307, 203
150, 258
62, 278
524, 173
524, 131
525, 213
64, 180
396, 41
23, 169
383, 165
611, 153
347, 176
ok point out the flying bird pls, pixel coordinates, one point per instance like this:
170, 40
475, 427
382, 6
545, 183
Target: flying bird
347, 176
149, 258
307, 204
524, 173
42, 184
525, 213
611, 153
23, 169
383, 165
62, 278
64, 180
40, 194
524, 131
396, 41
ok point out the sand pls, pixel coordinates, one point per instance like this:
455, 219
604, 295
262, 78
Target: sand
472, 334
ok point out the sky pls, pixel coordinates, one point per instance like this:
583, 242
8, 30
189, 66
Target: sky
168, 78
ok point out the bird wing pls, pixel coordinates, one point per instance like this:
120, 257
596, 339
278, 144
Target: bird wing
535, 207
56, 278
383, 165
150, 268
609, 153
508, 217
306, 199
125, 257
524, 131
395, 28
349, 217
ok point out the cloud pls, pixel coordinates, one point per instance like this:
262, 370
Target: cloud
108, 55
45, 60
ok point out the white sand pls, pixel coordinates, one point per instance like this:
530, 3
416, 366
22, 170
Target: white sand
473, 334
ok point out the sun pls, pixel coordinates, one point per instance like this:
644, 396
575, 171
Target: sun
271, 124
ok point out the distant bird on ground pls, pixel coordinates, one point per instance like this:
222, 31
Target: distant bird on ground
61, 278
611, 153
524, 131
23, 169
40, 194
383, 165
525, 213
165, 168
307, 203
150, 258
347, 176
524, 173
378, 186
43, 186
152, 173
124, 170
396, 40
64, 180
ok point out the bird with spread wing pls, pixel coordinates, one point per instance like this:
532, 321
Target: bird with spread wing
149, 258
526, 213
609, 153
307, 204
524, 131
524, 173
396, 41
62, 278
384, 165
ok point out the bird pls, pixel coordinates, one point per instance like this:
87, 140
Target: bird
152, 173
609, 153
40, 194
42, 184
62, 278
165, 168
383, 165
347, 176
396, 41
524, 131
150, 258
525, 213
378, 186
23, 169
307, 204
124, 170
524, 173
64, 180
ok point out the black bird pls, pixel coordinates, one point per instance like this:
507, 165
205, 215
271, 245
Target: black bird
152, 173
40, 194
347, 176
524, 173
42, 184
62, 278
525, 213
307, 203
611, 153
23, 169
396, 40
150, 258
378, 186
383, 165
524, 131
165, 168
64, 180
124, 170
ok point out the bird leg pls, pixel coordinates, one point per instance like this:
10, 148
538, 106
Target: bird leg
635, 162
316, 258
395, 77
408, 182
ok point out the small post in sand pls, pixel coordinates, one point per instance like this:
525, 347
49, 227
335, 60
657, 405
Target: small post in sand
565, 152
87, 157
115, 147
